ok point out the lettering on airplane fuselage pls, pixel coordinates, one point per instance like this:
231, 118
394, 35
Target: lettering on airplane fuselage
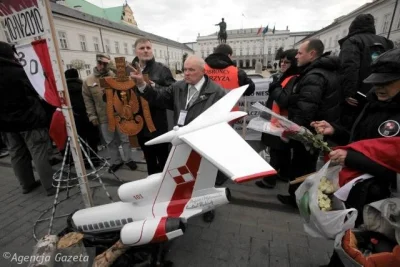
203, 201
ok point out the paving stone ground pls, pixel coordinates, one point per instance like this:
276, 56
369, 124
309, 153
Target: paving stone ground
254, 230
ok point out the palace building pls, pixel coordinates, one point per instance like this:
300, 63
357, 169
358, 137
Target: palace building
84, 29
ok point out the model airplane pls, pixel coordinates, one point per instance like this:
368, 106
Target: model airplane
156, 209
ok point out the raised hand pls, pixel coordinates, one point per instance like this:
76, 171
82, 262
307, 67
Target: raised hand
136, 74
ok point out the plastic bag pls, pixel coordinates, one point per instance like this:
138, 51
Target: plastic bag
318, 223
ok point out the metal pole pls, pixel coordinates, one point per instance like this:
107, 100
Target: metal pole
67, 111
391, 22
101, 38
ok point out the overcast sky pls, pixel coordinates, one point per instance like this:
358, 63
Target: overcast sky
182, 20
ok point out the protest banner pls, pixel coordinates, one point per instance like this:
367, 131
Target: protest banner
28, 24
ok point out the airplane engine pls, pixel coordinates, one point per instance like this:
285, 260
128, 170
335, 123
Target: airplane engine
151, 231
140, 190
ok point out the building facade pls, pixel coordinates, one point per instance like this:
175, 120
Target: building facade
119, 14
81, 36
384, 13
248, 47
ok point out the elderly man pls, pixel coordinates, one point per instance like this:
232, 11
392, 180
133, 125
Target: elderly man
97, 113
187, 98
156, 156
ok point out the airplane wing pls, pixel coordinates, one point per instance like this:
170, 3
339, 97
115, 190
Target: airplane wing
239, 161
223, 106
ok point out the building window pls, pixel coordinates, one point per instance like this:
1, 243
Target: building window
106, 224
96, 44
269, 50
108, 50
87, 68
90, 227
330, 42
155, 52
386, 22
130, 220
63, 40
133, 49
101, 225
85, 227
69, 66
202, 54
118, 222
82, 40
116, 47
126, 48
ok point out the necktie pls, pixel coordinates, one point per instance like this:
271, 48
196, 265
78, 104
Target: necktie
192, 96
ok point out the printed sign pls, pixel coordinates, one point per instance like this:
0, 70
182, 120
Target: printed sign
21, 19
246, 104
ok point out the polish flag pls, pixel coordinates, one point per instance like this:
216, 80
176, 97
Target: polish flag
259, 30
36, 61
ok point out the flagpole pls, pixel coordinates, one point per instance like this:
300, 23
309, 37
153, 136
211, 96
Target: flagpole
67, 111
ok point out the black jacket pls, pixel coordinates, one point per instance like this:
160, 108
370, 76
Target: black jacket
20, 107
78, 105
281, 97
162, 77
175, 96
369, 125
315, 95
356, 52
222, 61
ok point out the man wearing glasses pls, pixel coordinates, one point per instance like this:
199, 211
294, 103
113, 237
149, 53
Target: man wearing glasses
97, 113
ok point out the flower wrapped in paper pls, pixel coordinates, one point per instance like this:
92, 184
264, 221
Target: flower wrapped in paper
275, 124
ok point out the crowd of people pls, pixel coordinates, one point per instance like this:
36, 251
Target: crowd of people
348, 98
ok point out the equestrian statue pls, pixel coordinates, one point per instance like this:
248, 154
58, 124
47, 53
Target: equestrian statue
222, 35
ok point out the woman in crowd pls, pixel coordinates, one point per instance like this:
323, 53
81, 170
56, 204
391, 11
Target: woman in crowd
279, 91
380, 118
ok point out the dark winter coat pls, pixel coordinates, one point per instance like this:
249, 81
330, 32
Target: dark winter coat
369, 125
357, 51
20, 107
78, 105
175, 96
222, 61
281, 97
162, 77
315, 95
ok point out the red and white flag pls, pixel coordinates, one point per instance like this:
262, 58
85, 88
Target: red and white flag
259, 30
36, 61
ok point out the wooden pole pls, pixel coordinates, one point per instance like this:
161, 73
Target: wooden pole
244, 119
66, 106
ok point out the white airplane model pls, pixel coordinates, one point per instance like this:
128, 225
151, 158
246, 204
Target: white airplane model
156, 209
